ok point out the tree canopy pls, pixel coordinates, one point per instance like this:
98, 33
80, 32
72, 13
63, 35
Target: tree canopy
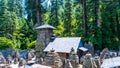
96, 21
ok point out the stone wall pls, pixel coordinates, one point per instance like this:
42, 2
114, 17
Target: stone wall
63, 55
43, 38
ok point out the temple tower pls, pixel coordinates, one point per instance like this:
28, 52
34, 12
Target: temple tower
43, 38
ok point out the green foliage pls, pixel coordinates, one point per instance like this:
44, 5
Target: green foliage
31, 45
17, 28
60, 29
5, 43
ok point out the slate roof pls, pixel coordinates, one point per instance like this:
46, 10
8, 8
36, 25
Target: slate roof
64, 45
111, 62
45, 26
83, 49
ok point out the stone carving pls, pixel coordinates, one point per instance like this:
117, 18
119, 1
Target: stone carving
58, 64
68, 64
40, 61
32, 53
104, 54
16, 60
97, 61
82, 59
89, 62
22, 62
16, 56
74, 58
9, 59
13, 54
72, 51
28, 56
52, 57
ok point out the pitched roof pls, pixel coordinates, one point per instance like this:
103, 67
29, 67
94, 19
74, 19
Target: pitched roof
45, 26
64, 44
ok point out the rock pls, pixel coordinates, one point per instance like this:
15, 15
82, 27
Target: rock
2, 59
79, 66
4, 66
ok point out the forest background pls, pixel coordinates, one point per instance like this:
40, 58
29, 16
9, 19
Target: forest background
96, 21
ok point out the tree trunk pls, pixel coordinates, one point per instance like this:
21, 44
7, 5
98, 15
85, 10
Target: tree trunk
38, 16
84, 17
56, 13
97, 13
117, 20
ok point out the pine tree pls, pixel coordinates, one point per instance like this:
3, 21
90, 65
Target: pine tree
7, 25
54, 13
34, 10
67, 17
